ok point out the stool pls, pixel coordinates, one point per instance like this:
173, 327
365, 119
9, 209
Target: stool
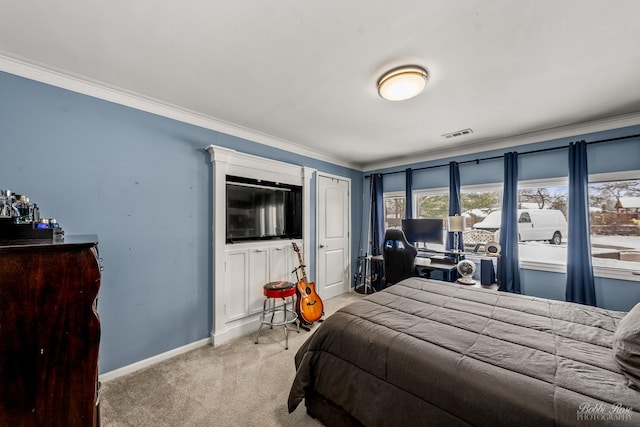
272, 291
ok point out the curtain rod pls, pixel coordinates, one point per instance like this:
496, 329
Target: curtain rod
541, 150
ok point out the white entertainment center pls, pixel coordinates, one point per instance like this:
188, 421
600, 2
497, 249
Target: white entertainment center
241, 269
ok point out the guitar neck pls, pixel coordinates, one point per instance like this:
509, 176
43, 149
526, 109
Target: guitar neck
301, 267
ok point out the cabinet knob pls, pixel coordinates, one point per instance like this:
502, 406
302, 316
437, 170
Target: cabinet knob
323, 246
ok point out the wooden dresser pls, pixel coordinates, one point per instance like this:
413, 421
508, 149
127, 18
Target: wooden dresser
49, 332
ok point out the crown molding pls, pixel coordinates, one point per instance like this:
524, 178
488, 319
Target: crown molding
512, 141
85, 86
79, 84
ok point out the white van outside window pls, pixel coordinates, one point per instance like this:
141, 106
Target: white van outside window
533, 225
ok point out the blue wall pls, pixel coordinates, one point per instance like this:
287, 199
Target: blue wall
623, 155
143, 184
613, 294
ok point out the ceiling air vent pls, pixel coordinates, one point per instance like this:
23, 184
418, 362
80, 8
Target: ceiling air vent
458, 133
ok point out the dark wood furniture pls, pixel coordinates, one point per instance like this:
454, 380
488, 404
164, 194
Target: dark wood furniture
49, 332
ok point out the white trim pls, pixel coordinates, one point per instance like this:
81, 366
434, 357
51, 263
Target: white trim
80, 84
239, 328
434, 191
85, 86
598, 271
231, 162
543, 266
349, 201
308, 174
129, 369
482, 188
394, 194
613, 176
616, 273
561, 181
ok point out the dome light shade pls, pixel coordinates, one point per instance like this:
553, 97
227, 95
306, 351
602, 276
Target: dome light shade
402, 83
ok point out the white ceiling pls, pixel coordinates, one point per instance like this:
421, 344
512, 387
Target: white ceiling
302, 74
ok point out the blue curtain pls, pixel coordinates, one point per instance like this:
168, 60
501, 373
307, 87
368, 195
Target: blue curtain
509, 271
580, 283
408, 206
377, 227
454, 203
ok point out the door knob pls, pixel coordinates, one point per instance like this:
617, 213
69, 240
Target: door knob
322, 246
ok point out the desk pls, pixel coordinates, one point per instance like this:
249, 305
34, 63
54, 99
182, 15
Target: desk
424, 267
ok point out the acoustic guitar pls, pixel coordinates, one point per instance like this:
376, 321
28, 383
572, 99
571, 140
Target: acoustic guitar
309, 305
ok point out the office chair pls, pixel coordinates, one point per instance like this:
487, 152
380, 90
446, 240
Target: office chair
399, 256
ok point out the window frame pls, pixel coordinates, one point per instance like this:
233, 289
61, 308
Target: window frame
392, 195
416, 194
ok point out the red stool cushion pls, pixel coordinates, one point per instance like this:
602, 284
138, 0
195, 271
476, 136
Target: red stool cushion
279, 289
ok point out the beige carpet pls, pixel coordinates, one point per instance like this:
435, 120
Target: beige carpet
238, 383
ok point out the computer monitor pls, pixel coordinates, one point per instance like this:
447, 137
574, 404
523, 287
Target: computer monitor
424, 230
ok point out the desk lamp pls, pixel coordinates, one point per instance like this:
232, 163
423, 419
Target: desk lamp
455, 224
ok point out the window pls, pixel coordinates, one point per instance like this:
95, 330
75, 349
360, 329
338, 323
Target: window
614, 217
614, 206
432, 204
394, 206
543, 195
478, 202
428, 204
614, 214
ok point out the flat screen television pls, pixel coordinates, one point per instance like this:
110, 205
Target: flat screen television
262, 210
424, 230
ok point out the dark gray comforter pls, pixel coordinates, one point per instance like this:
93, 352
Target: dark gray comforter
424, 352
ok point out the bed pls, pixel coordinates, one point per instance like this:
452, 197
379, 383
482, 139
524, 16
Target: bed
425, 352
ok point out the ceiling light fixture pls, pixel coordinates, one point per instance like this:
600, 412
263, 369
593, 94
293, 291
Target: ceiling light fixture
402, 83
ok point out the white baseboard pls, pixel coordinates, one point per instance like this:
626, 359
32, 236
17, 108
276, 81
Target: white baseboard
236, 329
111, 375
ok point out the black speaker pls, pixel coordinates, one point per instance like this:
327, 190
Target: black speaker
487, 273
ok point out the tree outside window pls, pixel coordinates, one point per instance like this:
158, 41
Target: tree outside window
615, 220
543, 198
394, 207
432, 205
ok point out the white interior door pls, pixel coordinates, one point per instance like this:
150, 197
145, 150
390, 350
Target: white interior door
333, 236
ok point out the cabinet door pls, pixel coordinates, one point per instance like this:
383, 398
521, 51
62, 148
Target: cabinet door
258, 277
236, 285
280, 264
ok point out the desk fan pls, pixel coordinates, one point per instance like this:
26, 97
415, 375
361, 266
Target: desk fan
466, 269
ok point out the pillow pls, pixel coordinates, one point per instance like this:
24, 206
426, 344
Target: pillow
626, 346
